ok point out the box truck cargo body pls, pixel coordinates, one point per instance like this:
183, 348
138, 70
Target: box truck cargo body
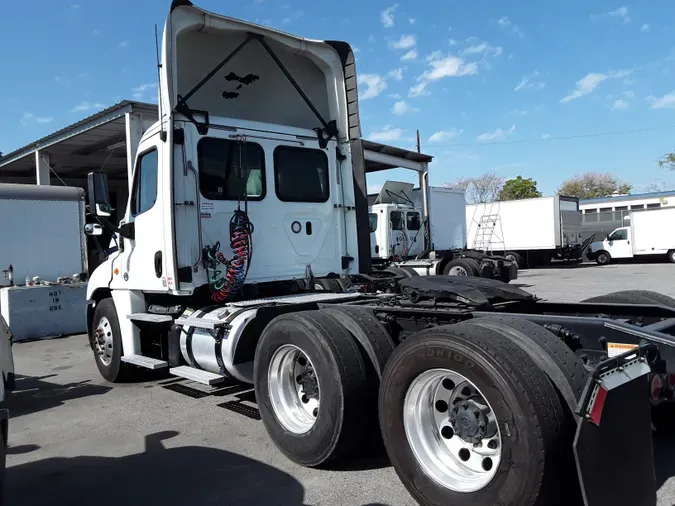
648, 232
531, 231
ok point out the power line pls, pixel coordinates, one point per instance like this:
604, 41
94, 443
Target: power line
561, 138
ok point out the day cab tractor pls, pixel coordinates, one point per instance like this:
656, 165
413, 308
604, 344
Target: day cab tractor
249, 188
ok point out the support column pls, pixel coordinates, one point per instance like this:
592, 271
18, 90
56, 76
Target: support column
134, 132
42, 170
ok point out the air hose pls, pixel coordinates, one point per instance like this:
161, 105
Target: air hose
230, 284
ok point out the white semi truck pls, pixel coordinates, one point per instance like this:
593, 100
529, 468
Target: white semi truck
531, 232
650, 233
398, 235
249, 187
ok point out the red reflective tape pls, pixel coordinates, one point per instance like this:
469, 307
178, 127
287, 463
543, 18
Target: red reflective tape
598, 405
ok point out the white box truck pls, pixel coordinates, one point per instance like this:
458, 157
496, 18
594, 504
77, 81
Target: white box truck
650, 232
531, 232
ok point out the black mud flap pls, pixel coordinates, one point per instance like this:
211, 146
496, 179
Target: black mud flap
613, 446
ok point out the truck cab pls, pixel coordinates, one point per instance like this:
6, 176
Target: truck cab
616, 245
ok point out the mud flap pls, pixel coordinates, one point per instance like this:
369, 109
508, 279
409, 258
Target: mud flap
613, 446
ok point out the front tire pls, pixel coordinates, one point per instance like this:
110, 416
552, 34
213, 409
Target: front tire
603, 258
311, 386
535, 432
106, 342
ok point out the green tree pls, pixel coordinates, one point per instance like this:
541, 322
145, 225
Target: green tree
668, 161
519, 188
593, 185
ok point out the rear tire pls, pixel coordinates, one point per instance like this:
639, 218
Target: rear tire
535, 465
515, 258
671, 256
106, 342
634, 297
339, 386
461, 267
327, 285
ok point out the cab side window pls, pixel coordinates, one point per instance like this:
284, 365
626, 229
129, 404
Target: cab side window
145, 182
619, 235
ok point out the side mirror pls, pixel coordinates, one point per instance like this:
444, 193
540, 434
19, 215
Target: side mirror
93, 229
99, 195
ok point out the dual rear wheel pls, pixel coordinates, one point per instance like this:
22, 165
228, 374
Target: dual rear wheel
466, 416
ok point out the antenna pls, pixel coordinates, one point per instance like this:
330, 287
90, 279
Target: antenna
162, 133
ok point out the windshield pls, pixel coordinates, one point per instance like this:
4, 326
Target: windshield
619, 235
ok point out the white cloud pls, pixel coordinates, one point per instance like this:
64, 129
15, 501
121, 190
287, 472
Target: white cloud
441, 66
402, 107
419, 89
667, 101
374, 83
644, 28
591, 81
96, 32
621, 13
619, 105
447, 66
506, 24
387, 134
545, 136
123, 44
86, 106
483, 48
410, 55
387, 16
405, 42
452, 42
496, 135
629, 93
396, 73
139, 91
411, 21
530, 82
29, 117
371, 38
444, 135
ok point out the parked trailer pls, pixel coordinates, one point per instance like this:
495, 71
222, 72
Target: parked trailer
482, 393
48, 241
530, 231
406, 239
651, 233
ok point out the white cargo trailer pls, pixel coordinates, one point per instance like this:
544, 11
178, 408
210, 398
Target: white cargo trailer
651, 232
43, 260
530, 231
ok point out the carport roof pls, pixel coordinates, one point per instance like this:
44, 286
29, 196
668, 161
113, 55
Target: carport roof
77, 148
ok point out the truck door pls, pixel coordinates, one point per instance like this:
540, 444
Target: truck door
396, 222
372, 224
415, 233
618, 243
142, 263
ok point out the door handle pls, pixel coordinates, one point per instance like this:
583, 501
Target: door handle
158, 264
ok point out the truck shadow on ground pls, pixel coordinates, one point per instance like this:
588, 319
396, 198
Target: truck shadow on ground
33, 394
159, 475
664, 449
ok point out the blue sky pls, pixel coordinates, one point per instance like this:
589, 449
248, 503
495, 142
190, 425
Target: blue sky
542, 89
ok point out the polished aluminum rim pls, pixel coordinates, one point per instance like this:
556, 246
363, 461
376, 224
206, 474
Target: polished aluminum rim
103, 341
452, 430
457, 270
294, 389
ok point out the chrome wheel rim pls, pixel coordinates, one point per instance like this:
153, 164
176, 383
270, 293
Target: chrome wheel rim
452, 430
294, 389
103, 341
457, 270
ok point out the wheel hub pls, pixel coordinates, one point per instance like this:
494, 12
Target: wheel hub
103, 341
294, 389
472, 421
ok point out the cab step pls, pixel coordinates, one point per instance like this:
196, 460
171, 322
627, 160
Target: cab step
197, 375
147, 362
150, 318
201, 323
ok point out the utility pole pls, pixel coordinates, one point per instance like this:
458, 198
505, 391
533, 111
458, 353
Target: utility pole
418, 142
